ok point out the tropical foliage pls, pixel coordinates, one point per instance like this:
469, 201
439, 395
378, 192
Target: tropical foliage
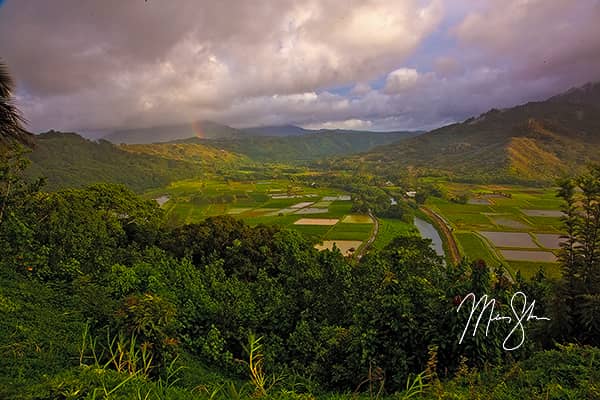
11, 121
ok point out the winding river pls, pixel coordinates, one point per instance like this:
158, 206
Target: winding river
427, 231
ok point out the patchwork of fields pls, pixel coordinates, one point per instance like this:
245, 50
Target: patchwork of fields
321, 214
516, 226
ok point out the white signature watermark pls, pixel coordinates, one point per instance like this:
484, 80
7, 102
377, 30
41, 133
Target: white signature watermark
524, 314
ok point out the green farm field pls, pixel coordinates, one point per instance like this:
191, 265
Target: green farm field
507, 210
391, 228
476, 248
270, 202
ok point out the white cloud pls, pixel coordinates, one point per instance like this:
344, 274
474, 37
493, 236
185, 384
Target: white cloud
352, 124
401, 80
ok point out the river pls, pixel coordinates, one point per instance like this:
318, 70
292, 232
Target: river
427, 231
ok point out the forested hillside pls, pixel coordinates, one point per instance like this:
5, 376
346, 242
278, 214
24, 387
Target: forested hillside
68, 160
538, 141
307, 147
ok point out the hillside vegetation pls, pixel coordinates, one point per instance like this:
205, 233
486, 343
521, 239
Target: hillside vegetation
68, 160
308, 147
189, 152
537, 141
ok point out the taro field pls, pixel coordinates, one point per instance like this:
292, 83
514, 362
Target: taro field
323, 215
518, 227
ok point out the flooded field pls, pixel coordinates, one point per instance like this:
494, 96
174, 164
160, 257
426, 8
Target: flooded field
510, 239
162, 200
549, 240
337, 198
302, 205
312, 210
478, 201
527, 255
283, 211
235, 211
509, 222
543, 213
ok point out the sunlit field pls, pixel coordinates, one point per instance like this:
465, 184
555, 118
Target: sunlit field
502, 224
317, 213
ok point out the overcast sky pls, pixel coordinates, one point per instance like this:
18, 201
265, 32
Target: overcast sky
88, 65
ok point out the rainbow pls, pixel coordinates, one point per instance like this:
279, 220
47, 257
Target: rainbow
198, 131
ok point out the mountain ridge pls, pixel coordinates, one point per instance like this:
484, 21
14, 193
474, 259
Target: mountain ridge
561, 132
213, 130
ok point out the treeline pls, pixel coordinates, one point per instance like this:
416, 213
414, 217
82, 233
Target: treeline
368, 194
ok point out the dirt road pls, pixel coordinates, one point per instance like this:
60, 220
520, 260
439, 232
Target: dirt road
363, 249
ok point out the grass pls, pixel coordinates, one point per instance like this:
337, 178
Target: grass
193, 200
343, 231
280, 220
313, 232
340, 208
545, 224
530, 268
357, 219
475, 248
390, 229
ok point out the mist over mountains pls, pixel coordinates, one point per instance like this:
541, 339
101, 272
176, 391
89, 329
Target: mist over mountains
212, 130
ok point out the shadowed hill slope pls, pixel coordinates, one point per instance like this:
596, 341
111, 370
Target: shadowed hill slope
69, 160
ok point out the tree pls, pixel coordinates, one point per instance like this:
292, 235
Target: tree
11, 121
578, 295
13, 188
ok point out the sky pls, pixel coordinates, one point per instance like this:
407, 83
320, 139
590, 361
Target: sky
86, 66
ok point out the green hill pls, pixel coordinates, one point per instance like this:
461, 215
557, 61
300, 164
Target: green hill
307, 147
68, 160
206, 156
285, 143
537, 141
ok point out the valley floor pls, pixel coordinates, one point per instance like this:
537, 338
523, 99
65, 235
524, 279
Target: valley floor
515, 226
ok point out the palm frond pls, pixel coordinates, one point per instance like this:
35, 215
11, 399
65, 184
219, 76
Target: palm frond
11, 120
